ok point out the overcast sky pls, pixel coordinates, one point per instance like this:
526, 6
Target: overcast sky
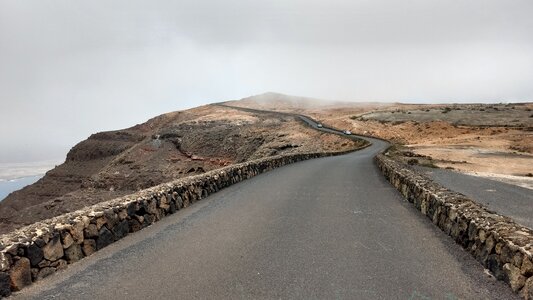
70, 68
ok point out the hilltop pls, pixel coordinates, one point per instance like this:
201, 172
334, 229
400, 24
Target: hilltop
170, 146
489, 140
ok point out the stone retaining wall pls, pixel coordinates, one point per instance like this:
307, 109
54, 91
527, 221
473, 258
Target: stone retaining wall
497, 242
38, 250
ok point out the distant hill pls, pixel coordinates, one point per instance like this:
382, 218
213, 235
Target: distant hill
170, 146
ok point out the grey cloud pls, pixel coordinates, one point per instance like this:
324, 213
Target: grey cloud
70, 68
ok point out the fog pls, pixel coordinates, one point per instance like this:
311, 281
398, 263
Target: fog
71, 68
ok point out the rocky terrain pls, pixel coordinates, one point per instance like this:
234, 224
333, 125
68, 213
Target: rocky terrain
493, 140
174, 145
490, 140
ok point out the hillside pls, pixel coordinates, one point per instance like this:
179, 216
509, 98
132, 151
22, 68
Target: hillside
167, 147
489, 140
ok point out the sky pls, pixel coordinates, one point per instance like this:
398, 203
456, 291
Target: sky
71, 68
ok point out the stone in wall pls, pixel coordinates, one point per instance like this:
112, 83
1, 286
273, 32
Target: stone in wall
89, 247
497, 242
38, 250
20, 274
53, 250
5, 284
35, 254
73, 253
105, 237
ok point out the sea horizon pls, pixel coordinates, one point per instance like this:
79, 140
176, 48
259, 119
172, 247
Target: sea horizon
17, 175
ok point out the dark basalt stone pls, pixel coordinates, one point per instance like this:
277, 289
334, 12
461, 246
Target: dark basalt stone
496, 267
134, 225
35, 254
121, 229
105, 237
20, 274
172, 208
73, 253
5, 289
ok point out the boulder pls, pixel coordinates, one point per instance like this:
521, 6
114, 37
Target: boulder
179, 202
506, 254
66, 240
482, 235
73, 253
111, 218
105, 237
517, 259
77, 232
134, 225
53, 250
59, 264
527, 291
45, 272
35, 254
495, 266
20, 274
34, 272
89, 247
527, 267
148, 219
5, 261
172, 207
164, 202
132, 208
151, 206
489, 244
516, 280
91, 231
122, 214
121, 229
5, 284
100, 222
12, 249
44, 263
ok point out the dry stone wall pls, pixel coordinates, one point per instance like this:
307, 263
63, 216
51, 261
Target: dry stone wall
497, 242
38, 250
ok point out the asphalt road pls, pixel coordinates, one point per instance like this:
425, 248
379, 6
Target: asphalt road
328, 228
506, 199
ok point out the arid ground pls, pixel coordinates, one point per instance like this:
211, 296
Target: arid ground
167, 147
490, 140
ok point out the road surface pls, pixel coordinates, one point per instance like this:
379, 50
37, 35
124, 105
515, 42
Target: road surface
506, 199
328, 228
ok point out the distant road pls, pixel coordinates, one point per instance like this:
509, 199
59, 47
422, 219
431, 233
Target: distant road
506, 199
327, 228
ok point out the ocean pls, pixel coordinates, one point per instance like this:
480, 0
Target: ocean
8, 186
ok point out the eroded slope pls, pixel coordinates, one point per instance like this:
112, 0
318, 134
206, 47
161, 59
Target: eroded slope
170, 146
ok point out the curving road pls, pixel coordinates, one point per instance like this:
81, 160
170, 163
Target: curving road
319, 229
